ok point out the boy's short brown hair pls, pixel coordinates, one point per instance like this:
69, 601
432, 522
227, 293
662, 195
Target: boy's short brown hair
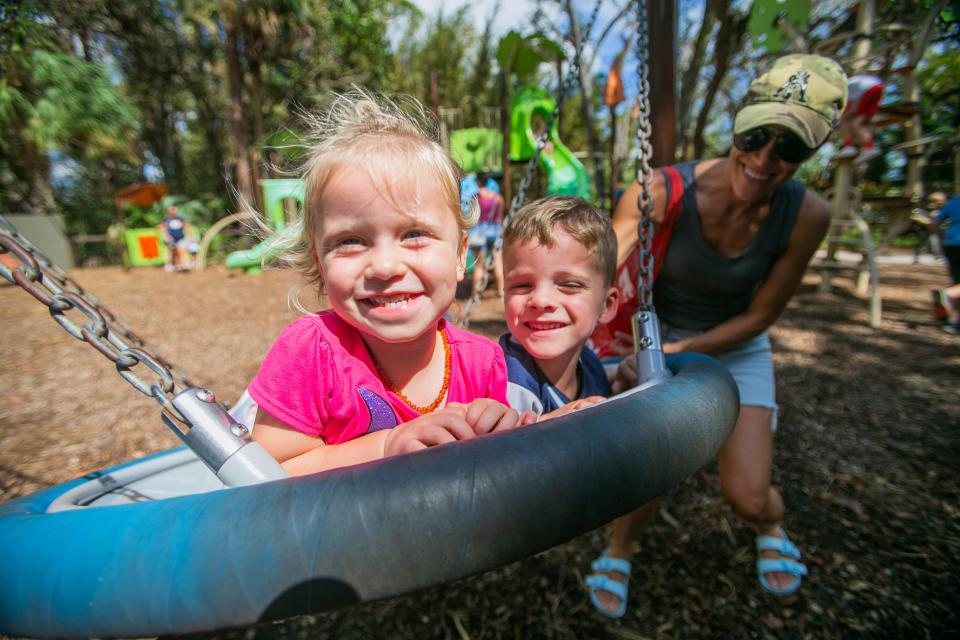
584, 222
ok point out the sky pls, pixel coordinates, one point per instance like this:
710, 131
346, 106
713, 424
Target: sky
513, 14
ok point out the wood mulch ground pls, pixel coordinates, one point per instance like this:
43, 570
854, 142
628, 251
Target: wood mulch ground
867, 459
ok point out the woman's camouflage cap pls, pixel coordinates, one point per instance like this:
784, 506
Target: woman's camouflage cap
802, 92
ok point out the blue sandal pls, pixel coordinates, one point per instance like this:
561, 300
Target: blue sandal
596, 582
788, 564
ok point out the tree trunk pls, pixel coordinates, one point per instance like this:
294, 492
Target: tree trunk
505, 147
688, 83
241, 136
41, 199
732, 28
663, 82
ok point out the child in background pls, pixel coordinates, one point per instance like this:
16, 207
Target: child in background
383, 236
559, 257
178, 236
485, 237
864, 93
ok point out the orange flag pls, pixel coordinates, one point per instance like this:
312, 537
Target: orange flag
613, 93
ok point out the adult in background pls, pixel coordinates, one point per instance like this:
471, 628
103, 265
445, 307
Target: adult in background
745, 233
486, 237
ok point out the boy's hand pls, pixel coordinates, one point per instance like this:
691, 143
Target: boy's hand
485, 416
622, 344
570, 407
626, 374
440, 427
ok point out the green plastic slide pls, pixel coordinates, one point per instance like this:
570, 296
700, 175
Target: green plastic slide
274, 193
566, 175
251, 259
476, 150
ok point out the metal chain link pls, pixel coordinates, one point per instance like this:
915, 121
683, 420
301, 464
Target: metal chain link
111, 337
644, 174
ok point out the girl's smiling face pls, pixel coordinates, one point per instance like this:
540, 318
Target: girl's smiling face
390, 252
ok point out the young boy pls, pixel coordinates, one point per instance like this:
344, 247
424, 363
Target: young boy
559, 258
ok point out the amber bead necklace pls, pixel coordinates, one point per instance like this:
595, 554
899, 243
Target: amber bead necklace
443, 388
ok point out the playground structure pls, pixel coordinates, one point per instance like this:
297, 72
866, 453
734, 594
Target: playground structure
478, 149
278, 194
888, 51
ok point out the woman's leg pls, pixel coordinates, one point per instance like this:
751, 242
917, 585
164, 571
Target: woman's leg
479, 270
623, 545
745, 462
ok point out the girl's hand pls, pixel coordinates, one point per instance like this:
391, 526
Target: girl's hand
440, 427
485, 416
528, 417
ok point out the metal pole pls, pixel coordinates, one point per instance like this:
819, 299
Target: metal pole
663, 94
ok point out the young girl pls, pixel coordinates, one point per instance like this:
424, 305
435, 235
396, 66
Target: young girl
381, 373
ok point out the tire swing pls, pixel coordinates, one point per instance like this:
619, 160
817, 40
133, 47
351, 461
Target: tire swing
213, 535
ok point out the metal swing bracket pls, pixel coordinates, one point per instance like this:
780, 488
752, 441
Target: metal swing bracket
651, 364
222, 443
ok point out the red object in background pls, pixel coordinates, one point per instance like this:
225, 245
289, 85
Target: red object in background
149, 247
140, 194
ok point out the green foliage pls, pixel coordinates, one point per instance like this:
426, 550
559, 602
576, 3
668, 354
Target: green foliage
443, 49
75, 109
522, 55
939, 77
103, 93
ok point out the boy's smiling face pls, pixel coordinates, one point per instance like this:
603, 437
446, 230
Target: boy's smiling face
555, 297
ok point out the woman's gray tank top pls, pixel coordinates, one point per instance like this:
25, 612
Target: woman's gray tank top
698, 287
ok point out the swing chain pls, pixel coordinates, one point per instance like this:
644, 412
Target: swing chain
644, 173
573, 74
110, 336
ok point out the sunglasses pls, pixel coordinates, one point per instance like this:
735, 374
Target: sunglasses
788, 146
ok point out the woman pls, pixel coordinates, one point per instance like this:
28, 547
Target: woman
486, 236
739, 249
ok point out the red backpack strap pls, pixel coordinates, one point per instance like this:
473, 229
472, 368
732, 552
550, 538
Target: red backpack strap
613, 340
661, 239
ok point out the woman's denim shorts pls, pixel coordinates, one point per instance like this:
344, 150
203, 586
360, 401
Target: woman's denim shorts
750, 363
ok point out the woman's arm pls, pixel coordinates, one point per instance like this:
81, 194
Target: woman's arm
772, 297
301, 454
627, 215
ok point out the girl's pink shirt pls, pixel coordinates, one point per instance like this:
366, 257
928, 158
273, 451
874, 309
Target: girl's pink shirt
319, 378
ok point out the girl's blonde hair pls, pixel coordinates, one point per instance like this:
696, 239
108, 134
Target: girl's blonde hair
389, 136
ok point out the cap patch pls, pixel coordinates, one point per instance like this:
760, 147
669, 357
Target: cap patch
797, 82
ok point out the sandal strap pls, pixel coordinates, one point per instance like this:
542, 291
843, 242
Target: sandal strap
606, 563
781, 565
780, 545
603, 583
